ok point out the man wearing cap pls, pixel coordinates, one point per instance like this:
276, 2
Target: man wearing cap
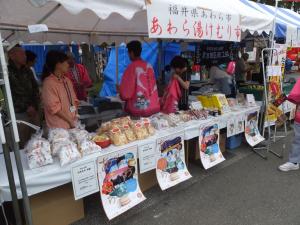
25, 92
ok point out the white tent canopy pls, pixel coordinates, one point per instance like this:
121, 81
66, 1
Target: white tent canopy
96, 21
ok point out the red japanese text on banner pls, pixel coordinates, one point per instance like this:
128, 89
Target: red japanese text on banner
187, 22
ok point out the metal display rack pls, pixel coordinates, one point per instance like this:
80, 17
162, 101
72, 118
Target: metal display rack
264, 122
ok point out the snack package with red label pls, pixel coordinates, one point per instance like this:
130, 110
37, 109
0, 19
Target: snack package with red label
118, 138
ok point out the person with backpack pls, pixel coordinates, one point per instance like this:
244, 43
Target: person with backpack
138, 85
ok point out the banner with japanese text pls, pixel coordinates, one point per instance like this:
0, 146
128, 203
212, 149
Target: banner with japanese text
175, 21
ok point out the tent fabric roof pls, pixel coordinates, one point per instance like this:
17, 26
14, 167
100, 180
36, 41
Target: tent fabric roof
287, 21
96, 21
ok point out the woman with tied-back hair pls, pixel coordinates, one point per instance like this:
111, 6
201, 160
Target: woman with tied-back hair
58, 95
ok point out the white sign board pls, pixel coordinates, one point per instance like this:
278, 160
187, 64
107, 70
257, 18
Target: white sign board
178, 21
84, 179
37, 28
147, 157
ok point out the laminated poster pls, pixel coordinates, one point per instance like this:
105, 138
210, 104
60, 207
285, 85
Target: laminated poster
170, 167
252, 134
118, 180
209, 137
230, 127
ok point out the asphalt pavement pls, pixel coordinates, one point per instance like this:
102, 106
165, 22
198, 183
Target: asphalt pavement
243, 190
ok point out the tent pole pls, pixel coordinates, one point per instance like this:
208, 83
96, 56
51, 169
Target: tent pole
12, 117
117, 64
274, 24
10, 175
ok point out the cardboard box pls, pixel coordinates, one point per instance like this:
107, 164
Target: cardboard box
223, 142
147, 180
56, 207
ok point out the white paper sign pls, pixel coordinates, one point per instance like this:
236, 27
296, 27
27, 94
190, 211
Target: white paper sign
84, 179
147, 157
273, 71
252, 134
250, 100
37, 28
231, 127
196, 105
188, 22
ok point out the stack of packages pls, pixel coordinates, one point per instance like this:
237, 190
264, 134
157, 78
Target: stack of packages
123, 130
67, 145
63, 147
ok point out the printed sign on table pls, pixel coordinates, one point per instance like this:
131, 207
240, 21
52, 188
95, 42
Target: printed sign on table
171, 168
239, 124
118, 180
84, 179
147, 157
252, 134
187, 22
209, 138
231, 127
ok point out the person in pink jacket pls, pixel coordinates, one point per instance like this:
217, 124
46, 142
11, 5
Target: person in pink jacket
138, 86
294, 154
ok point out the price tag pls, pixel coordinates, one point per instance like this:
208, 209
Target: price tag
147, 157
84, 179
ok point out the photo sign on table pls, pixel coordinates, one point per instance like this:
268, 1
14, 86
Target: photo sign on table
118, 180
209, 147
170, 167
190, 22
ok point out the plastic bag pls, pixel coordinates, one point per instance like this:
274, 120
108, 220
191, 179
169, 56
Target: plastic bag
68, 153
87, 147
58, 134
38, 152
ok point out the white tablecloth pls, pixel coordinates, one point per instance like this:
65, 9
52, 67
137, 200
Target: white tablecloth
51, 176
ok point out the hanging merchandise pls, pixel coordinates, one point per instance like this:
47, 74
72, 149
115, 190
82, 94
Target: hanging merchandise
170, 167
279, 56
252, 134
274, 94
209, 147
118, 180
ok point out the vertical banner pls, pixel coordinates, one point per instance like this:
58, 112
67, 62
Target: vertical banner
171, 168
191, 22
118, 180
252, 134
209, 147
